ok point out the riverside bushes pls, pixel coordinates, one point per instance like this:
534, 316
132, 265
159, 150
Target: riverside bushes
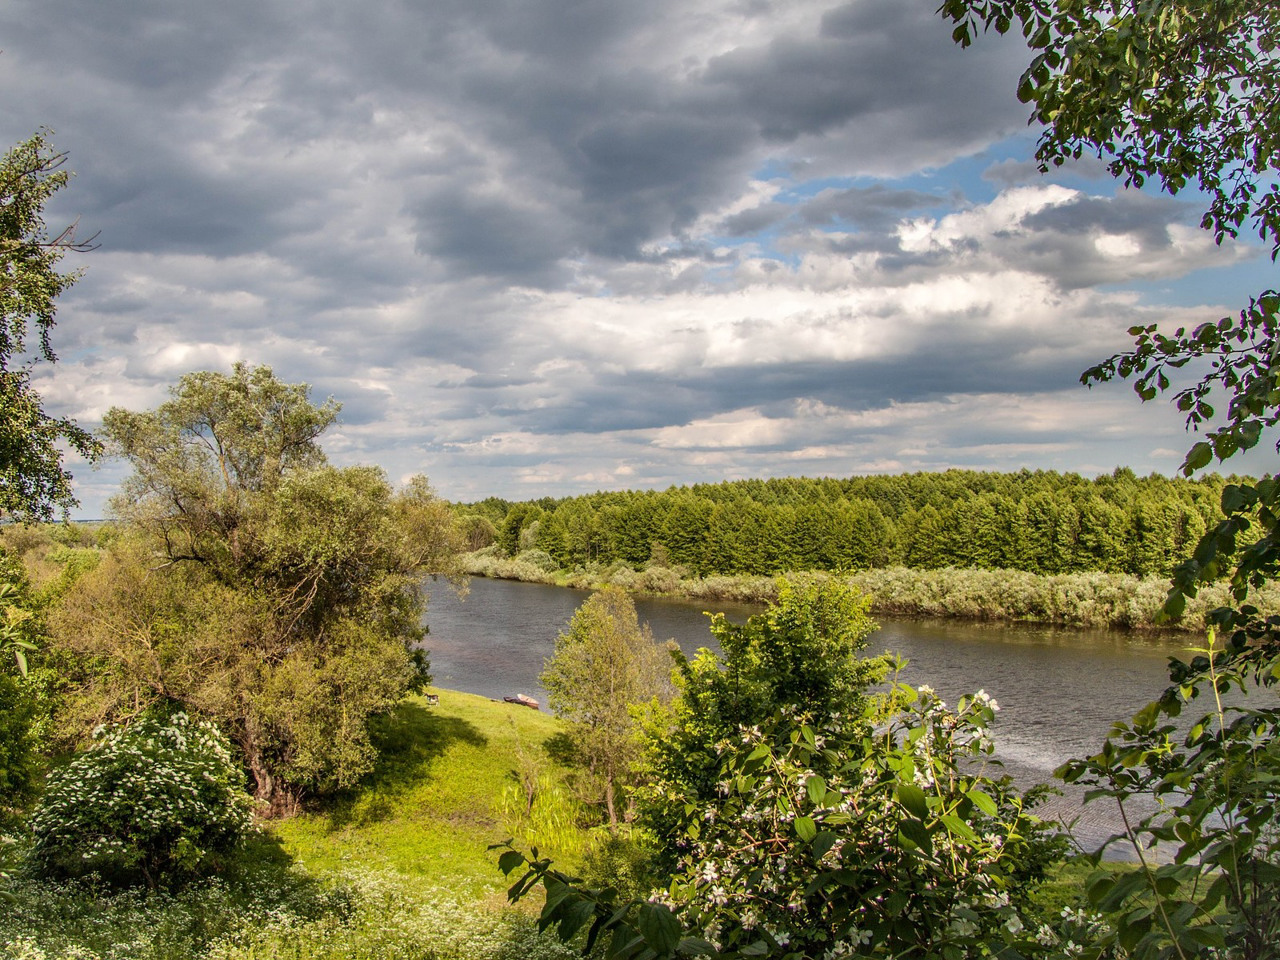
1097, 600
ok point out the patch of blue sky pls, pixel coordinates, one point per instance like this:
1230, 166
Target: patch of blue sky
959, 184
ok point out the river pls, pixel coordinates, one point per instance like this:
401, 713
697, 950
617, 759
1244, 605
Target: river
1059, 689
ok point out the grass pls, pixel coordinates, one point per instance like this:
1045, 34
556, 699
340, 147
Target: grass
396, 868
433, 804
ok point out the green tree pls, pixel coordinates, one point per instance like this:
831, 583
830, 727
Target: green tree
263, 588
477, 530
33, 480
604, 667
802, 653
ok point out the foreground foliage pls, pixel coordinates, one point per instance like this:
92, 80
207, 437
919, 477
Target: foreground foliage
1183, 92
1210, 853
801, 815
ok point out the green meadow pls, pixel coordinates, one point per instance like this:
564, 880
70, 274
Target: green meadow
396, 868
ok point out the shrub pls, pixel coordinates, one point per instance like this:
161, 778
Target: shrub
799, 814
162, 799
538, 558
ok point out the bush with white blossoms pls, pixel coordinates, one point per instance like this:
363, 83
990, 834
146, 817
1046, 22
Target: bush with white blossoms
829, 841
161, 799
833, 840
807, 817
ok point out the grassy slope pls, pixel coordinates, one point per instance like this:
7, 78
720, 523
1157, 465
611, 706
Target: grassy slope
433, 804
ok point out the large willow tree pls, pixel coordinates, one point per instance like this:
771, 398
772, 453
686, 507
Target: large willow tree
260, 586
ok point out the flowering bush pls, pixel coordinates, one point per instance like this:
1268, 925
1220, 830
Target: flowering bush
806, 817
160, 799
827, 839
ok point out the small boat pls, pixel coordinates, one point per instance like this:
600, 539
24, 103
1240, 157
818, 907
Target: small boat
523, 700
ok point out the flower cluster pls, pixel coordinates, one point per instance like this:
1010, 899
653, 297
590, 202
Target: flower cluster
828, 836
158, 798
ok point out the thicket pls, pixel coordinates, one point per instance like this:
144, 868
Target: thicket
1041, 522
1094, 600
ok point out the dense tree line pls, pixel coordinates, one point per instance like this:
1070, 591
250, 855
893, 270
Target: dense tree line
1039, 521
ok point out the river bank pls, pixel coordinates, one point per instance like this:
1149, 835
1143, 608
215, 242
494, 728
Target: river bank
1090, 600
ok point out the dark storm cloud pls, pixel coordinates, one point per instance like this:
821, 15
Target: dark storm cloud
871, 59
483, 236
553, 97
875, 207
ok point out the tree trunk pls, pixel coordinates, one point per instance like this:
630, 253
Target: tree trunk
608, 800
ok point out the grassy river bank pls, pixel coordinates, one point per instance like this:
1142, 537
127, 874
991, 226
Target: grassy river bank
397, 869
1093, 600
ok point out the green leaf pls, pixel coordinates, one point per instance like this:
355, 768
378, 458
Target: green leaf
573, 916
912, 797
914, 833
817, 789
511, 860
823, 843
806, 829
958, 828
1198, 456
659, 927
982, 801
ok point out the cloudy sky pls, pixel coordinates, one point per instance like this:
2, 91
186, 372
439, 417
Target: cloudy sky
552, 246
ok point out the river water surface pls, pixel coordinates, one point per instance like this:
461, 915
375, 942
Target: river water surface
1059, 689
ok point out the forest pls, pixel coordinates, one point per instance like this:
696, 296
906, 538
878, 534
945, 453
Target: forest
1041, 522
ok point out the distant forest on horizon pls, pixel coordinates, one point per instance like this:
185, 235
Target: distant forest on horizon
1040, 521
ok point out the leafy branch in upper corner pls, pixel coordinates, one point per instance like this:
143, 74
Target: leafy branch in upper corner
1181, 93
33, 480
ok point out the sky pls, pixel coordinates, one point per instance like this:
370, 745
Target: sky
546, 247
